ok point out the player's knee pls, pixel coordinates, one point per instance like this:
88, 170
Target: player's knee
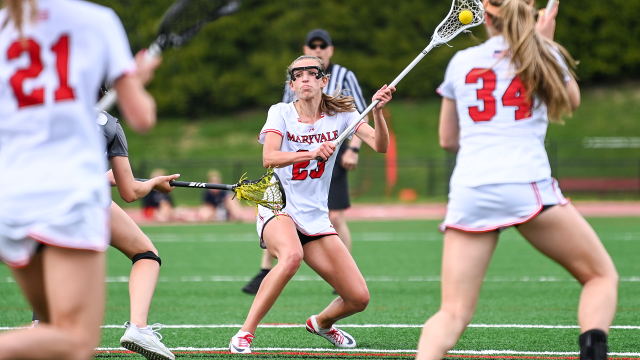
291, 261
335, 216
359, 301
150, 255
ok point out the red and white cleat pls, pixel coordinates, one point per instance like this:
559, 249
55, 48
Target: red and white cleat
336, 336
241, 343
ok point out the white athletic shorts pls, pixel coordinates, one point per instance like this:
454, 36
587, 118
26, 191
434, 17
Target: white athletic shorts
85, 227
492, 207
265, 215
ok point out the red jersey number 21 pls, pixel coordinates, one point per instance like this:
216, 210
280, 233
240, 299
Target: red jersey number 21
32, 48
515, 95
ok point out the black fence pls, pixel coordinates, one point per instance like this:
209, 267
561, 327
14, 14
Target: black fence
417, 179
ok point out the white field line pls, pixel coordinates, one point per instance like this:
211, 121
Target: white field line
469, 352
360, 236
404, 326
306, 278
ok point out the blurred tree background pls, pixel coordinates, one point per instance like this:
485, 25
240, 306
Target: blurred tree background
238, 62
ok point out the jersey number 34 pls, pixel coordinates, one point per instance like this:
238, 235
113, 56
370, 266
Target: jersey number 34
32, 48
515, 95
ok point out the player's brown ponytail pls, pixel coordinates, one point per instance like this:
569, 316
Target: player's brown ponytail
15, 10
330, 104
531, 55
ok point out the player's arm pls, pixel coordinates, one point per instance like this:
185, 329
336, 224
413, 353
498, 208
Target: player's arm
449, 129
377, 138
131, 190
272, 156
136, 104
574, 93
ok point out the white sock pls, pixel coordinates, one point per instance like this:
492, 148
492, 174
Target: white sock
243, 333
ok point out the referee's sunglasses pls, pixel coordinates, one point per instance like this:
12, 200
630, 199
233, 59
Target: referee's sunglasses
316, 45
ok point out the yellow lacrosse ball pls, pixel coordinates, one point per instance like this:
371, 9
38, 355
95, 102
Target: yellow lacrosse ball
465, 16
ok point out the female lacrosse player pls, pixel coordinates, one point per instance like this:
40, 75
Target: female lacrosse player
53, 194
293, 136
127, 237
497, 99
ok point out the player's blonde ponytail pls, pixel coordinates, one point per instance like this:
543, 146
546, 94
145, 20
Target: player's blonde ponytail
15, 10
330, 104
532, 57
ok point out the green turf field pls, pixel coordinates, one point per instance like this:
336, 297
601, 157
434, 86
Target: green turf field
205, 266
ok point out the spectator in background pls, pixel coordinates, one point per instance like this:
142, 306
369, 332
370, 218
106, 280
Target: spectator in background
218, 205
156, 205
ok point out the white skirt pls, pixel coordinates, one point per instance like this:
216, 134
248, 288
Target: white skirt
491, 207
84, 227
265, 215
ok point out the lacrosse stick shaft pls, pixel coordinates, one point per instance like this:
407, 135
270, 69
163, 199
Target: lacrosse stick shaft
198, 185
111, 97
550, 6
395, 82
409, 67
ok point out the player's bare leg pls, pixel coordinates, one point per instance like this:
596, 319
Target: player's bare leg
266, 264
75, 297
267, 260
127, 237
563, 235
282, 240
330, 259
465, 260
339, 222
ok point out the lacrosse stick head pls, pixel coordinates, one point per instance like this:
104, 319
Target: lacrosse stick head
185, 18
266, 191
451, 26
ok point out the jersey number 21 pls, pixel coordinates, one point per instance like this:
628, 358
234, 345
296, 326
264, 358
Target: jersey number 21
32, 48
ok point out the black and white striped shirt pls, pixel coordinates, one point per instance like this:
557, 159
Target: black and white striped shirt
342, 78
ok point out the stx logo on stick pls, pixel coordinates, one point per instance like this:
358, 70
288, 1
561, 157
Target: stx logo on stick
196, 184
310, 139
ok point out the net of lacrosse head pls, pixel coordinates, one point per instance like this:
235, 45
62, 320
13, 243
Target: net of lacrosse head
185, 18
266, 191
452, 25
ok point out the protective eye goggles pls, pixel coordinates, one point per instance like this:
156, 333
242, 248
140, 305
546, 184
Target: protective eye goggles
296, 73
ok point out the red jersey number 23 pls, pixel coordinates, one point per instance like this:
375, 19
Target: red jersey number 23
33, 70
300, 172
515, 95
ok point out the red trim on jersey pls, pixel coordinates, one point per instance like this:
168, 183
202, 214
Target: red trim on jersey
48, 241
485, 229
270, 130
562, 200
16, 264
358, 126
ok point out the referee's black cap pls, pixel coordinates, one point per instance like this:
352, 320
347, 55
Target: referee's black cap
318, 34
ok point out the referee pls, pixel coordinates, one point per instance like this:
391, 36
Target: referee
318, 43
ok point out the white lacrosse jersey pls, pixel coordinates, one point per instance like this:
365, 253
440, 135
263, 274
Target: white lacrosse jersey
501, 134
51, 156
306, 184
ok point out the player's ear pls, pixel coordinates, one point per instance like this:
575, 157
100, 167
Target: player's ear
306, 50
330, 49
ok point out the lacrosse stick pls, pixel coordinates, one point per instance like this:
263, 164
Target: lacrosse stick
550, 6
179, 25
449, 28
266, 191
